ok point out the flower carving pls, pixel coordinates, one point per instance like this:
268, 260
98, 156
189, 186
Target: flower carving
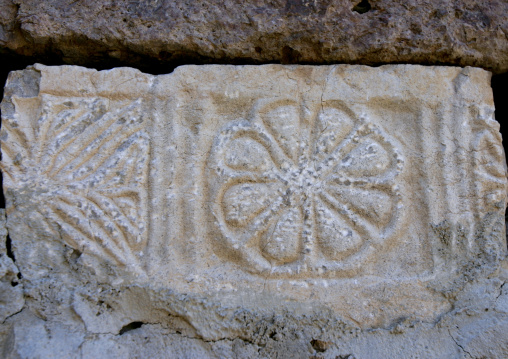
79, 171
295, 190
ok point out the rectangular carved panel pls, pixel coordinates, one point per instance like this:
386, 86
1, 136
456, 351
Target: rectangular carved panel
375, 193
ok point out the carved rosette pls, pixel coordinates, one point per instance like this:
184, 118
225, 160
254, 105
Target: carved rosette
296, 191
80, 171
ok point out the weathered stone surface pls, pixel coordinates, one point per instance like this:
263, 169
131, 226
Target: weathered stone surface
149, 33
242, 210
11, 293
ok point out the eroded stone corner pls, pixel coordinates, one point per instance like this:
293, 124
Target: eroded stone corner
73, 154
11, 288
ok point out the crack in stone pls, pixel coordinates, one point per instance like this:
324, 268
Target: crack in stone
16, 313
501, 290
460, 346
326, 84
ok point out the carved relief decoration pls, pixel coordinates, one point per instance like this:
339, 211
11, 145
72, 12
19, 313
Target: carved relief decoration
296, 191
84, 167
491, 184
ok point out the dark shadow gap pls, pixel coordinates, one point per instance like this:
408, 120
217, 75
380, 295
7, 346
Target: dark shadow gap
165, 62
500, 91
2, 197
130, 326
362, 7
8, 248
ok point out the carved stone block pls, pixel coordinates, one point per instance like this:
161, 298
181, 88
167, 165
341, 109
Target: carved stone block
361, 194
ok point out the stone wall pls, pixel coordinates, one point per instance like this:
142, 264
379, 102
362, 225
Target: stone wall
139, 207
158, 33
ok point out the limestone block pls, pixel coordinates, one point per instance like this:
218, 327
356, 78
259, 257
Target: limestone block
229, 200
11, 293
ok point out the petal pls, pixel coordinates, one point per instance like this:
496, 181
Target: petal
335, 237
283, 123
282, 242
372, 204
332, 126
368, 159
125, 213
92, 227
243, 202
246, 154
81, 144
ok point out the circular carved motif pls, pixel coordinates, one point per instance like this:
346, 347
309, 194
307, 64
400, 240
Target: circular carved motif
293, 193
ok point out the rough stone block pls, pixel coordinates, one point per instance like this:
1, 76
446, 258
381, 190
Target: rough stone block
230, 196
164, 33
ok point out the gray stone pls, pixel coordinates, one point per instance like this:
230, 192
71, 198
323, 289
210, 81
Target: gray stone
28, 336
164, 33
11, 292
235, 211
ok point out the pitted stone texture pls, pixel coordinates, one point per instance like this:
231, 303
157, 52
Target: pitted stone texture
247, 202
11, 292
476, 329
464, 33
305, 191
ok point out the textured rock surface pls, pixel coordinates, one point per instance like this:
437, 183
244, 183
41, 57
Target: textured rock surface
222, 211
11, 293
150, 33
